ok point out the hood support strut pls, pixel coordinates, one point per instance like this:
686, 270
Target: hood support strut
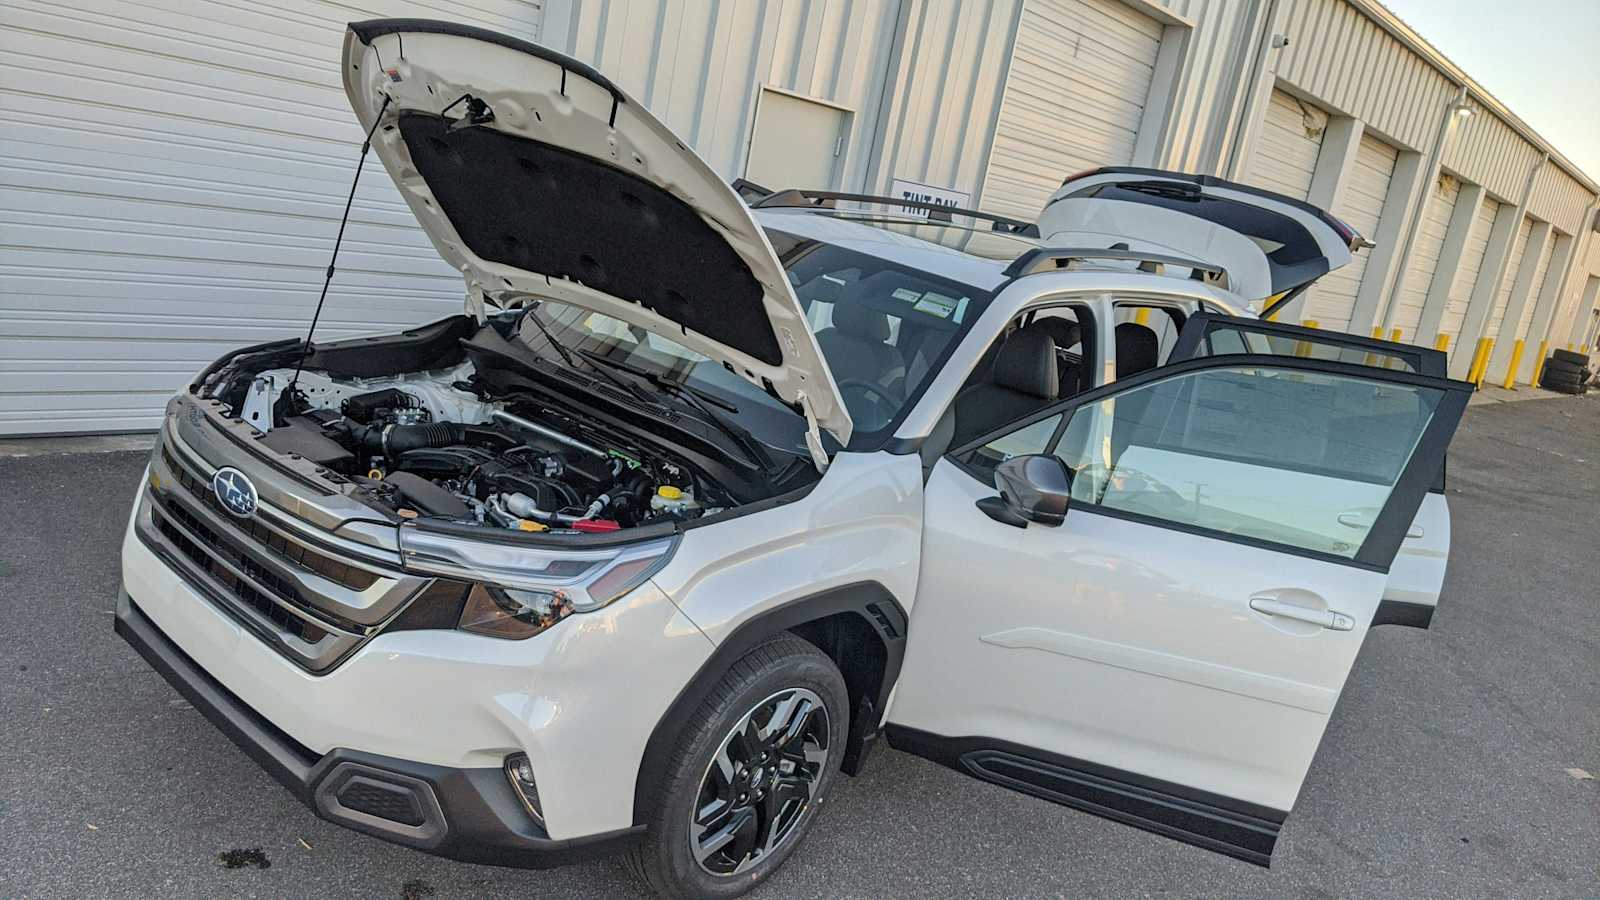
305, 348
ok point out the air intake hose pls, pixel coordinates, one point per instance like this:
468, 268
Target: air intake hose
393, 440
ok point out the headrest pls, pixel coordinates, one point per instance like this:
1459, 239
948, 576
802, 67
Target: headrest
1027, 363
1138, 349
1063, 332
859, 320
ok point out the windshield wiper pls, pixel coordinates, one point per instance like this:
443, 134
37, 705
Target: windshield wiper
566, 356
701, 402
658, 379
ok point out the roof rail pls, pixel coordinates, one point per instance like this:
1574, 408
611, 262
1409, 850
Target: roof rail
749, 191
758, 197
1044, 259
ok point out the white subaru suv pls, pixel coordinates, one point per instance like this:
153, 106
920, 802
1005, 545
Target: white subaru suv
699, 497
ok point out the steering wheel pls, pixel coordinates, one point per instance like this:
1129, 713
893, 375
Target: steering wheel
883, 401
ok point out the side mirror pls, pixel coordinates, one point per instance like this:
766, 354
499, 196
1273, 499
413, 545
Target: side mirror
1033, 488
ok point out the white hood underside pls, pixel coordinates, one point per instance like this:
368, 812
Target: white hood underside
658, 240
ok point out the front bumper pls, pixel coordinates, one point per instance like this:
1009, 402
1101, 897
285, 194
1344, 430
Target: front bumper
470, 814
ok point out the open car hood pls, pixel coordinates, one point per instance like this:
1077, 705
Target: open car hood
537, 177
1267, 243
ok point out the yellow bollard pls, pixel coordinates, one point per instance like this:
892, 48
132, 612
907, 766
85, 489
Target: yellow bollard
1302, 349
1510, 383
1395, 335
1483, 367
1442, 343
1377, 332
1142, 315
1477, 361
1538, 366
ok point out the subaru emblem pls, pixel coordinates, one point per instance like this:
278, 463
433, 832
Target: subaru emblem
234, 491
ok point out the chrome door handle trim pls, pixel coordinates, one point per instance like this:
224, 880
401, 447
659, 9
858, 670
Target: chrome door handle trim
1353, 520
1359, 520
1333, 620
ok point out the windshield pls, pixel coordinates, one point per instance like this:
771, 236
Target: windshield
884, 329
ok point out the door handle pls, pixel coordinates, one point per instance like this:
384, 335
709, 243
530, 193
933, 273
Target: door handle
1365, 520
1332, 620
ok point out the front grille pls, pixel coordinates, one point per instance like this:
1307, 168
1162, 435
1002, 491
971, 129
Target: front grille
271, 541
210, 559
261, 572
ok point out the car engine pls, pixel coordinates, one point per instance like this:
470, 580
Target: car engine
427, 445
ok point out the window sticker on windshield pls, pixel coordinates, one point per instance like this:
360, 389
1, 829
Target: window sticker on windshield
906, 294
936, 305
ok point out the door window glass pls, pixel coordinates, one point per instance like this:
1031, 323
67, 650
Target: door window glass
1304, 459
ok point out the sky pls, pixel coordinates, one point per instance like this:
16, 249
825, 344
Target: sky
1541, 58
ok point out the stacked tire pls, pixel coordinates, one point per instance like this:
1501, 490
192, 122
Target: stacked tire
1567, 372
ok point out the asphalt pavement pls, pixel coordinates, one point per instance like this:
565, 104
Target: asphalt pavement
1453, 767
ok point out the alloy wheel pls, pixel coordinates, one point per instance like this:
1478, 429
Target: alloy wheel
761, 782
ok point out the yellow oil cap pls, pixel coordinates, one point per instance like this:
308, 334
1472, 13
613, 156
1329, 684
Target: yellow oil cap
531, 525
668, 492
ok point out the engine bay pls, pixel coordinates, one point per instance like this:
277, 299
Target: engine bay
427, 444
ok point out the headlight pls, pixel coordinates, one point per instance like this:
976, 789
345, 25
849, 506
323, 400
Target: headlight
519, 591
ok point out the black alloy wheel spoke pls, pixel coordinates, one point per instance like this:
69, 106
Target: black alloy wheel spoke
761, 781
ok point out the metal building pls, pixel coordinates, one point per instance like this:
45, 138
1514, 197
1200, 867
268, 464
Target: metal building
175, 169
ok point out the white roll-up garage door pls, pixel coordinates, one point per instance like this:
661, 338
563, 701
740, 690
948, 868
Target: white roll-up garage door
1465, 278
1333, 297
1424, 261
174, 177
1285, 155
1539, 275
1074, 98
1502, 297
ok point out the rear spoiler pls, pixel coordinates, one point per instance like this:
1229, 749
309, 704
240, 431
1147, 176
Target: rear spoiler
1269, 244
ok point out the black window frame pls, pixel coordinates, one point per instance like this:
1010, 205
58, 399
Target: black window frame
1383, 541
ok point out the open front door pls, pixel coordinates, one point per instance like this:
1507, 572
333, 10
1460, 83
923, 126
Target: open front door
1168, 653
1415, 579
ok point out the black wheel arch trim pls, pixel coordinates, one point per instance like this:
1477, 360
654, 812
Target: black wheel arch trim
870, 600
1226, 825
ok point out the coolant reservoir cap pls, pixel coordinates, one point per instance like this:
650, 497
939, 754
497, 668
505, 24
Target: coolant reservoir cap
668, 492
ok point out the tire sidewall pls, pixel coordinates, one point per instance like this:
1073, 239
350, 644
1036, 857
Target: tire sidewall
670, 825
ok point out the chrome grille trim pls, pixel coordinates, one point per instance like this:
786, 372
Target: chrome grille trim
313, 619
377, 549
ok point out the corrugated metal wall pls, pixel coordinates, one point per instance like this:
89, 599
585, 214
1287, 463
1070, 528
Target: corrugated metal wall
1487, 151
699, 65
945, 92
1207, 96
1346, 60
1559, 199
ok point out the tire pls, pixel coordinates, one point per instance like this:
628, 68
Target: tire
1559, 382
1562, 387
1563, 367
728, 732
1578, 359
